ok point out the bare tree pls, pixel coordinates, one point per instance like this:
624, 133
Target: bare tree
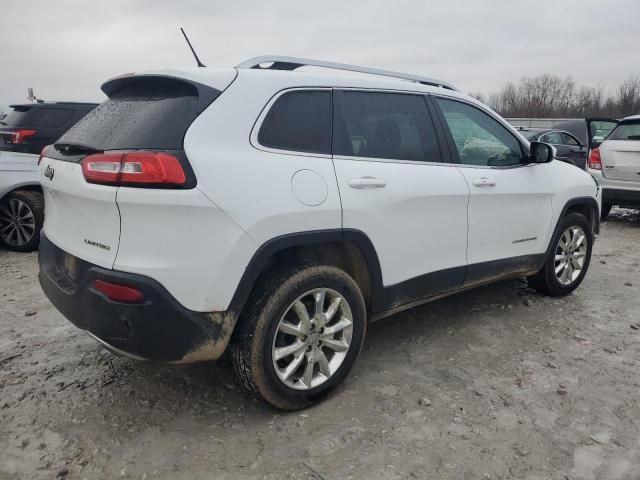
550, 96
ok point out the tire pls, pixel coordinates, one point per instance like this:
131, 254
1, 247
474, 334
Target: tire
262, 335
546, 281
21, 219
606, 209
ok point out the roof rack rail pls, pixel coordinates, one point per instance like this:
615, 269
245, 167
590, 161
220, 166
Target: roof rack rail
291, 63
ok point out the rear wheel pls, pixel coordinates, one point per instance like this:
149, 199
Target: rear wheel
567, 264
302, 334
21, 218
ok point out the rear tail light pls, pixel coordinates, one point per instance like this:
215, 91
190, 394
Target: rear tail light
118, 293
43, 153
595, 160
133, 169
19, 136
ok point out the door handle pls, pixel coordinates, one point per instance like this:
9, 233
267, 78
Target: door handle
367, 182
484, 182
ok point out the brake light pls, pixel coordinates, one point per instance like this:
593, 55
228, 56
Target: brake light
133, 168
595, 160
43, 153
119, 293
19, 136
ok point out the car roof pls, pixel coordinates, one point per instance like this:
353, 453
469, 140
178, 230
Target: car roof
308, 77
631, 118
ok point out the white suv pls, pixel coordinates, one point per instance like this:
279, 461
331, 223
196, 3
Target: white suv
274, 213
616, 166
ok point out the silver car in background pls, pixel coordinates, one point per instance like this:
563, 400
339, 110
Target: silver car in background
616, 166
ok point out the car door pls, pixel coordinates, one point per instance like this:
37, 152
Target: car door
575, 150
555, 139
398, 186
510, 199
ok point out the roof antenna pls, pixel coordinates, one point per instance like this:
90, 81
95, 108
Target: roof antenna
200, 64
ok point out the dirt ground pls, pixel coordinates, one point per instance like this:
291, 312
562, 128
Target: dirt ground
495, 383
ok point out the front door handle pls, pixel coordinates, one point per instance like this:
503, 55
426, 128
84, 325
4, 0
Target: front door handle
484, 182
367, 182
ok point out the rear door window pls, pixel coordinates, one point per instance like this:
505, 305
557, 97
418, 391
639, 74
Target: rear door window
300, 121
384, 125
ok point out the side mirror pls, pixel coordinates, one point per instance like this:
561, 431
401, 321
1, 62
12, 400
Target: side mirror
540, 152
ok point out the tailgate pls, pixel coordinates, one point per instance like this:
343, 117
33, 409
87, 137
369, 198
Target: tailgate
81, 218
620, 153
621, 160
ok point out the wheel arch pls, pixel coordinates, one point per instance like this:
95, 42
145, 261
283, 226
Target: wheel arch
29, 186
348, 249
587, 206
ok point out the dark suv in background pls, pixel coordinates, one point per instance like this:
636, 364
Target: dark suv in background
24, 131
28, 128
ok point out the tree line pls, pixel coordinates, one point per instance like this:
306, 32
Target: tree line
549, 96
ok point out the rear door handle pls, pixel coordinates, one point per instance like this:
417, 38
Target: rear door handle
484, 182
367, 182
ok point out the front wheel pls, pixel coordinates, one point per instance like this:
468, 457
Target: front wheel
302, 334
568, 261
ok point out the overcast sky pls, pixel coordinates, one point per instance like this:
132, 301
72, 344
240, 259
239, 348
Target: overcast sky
66, 49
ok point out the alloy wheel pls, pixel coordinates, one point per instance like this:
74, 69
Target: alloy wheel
17, 223
312, 339
570, 255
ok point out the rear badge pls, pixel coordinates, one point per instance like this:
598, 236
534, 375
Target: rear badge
97, 244
48, 172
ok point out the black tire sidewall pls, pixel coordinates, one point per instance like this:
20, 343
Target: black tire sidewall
556, 288
34, 201
271, 387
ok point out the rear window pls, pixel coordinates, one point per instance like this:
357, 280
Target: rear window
626, 131
16, 117
142, 113
299, 121
50, 117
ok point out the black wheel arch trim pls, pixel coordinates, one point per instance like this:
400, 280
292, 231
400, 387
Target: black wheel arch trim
266, 251
577, 201
382, 298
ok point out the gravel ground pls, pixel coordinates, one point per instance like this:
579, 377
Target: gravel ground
495, 383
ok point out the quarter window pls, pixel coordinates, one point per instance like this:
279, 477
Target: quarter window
384, 125
300, 121
479, 139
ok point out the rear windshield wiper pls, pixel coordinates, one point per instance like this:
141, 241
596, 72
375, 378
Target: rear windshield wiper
75, 148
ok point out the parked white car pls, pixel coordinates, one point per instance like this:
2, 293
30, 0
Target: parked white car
616, 166
275, 213
21, 202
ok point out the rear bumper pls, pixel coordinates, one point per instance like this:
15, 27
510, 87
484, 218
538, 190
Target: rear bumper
158, 329
621, 197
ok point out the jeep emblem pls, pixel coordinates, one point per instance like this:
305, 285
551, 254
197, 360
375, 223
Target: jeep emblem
48, 172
